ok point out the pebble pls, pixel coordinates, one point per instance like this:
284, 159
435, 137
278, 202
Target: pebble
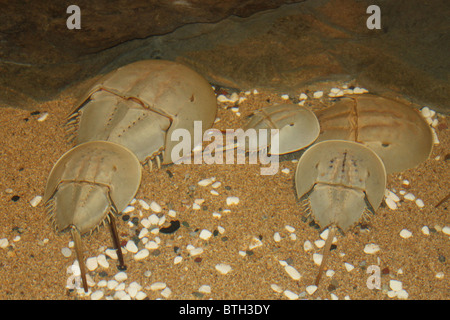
285, 96
102, 283
155, 207
307, 246
97, 295
177, 259
329, 273
216, 184
286, 170
206, 182
319, 243
317, 258
223, 268
141, 295
232, 201
128, 209
289, 228
112, 284
395, 285
133, 289
311, 289
4, 243
390, 203
205, 289
391, 195
43, 117
419, 203
292, 272
446, 230
111, 253
121, 295
131, 246
290, 295
66, 252
120, 276
144, 205
158, 286
143, 233
425, 230
151, 245
166, 292
277, 237
276, 288
205, 234
35, 201
101, 260
405, 234
371, 248
303, 96
153, 220
142, 254
409, 196
92, 263
349, 267
196, 251
318, 94
440, 275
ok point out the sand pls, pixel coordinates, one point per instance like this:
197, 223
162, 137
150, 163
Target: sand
34, 268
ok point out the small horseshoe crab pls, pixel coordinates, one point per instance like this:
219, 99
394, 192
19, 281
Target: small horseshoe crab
395, 131
341, 180
89, 185
298, 126
140, 105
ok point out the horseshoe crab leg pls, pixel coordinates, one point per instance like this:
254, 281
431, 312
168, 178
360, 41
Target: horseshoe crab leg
76, 236
326, 252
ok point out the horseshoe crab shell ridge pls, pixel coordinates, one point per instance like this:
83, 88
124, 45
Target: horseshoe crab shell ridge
341, 180
141, 104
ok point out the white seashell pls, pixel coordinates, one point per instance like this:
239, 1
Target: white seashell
425, 230
277, 237
177, 259
223, 268
92, 263
285, 96
151, 245
290, 295
311, 289
303, 96
307, 246
142, 254
419, 203
4, 243
155, 207
131, 246
97, 295
317, 258
196, 206
158, 286
143, 233
153, 220
318, 94
391, 195
35, 201
128, 209
255, 243
319, 243
446, 230
425, 112
395, 285
349, 267
292, 272
205, 182
205, 234
286, 170
391, 203
409, 196
329, 273
101, 260
112, 284
120, 276
276, 288
232, 201
289, 228
204, 289
66, 252
196, 251
216, 184
371, 248
405, 234
402, 294
43, 117
166, 292
111, 253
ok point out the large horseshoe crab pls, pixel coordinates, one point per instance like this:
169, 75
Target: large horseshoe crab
89, 185
341, 180
141, 104
395, 131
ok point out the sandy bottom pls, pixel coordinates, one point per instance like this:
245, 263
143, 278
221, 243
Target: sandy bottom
32, 267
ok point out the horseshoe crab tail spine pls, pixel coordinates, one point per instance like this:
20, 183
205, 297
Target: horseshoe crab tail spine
79, 250
116, 242
326, 252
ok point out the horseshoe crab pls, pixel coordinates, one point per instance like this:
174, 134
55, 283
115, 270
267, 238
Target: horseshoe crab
342, 180
298, 126
395, 131
139, 106
87, 186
